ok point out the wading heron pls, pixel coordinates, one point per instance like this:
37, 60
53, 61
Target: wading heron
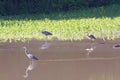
29, 55
92, 37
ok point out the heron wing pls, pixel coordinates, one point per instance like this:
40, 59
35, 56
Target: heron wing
92, 37
46, 33
118, 45
31, 56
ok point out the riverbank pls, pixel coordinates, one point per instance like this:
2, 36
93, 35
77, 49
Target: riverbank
103, 22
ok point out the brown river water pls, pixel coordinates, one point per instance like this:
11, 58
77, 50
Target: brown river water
60, 60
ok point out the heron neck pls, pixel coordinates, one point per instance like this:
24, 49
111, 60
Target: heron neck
26, 51
88, 34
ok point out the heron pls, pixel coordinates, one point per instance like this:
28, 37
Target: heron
92, 37
116, 46
29, 55
46, 33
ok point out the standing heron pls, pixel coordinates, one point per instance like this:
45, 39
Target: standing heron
116, 46
46, 33
29, 55
92, 37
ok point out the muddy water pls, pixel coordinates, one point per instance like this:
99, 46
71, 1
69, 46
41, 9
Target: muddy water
60, 60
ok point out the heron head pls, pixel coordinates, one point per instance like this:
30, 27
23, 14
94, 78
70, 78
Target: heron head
42, 30
87, 33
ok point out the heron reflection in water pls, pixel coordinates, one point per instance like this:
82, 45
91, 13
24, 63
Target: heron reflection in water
45, 45
90, 50
29, 68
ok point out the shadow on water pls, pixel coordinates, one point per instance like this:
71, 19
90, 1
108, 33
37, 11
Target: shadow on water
62, 60
110, 12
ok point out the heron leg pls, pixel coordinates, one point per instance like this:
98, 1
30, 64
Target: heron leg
30, 62
46, 38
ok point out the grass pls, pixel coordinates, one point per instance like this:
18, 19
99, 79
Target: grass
103, 22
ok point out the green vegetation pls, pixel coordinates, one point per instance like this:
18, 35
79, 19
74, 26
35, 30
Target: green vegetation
103, 22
